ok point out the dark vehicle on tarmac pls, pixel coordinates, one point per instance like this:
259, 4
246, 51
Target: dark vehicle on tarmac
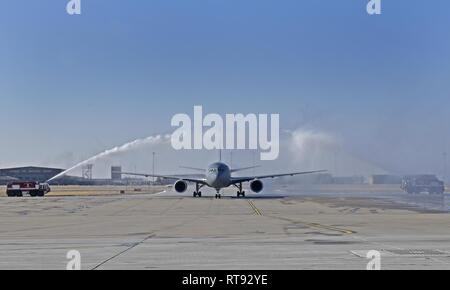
33, 188
414, 184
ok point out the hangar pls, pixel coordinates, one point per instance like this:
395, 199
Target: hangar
29, 173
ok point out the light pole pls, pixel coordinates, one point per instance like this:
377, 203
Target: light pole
153, 167
253, 161
335, 160
444, 155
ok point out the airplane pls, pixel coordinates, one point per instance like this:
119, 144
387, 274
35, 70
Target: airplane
218, 176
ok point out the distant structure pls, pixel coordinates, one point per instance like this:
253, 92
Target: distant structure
42, 174
86, 171
29, 173
326, 178
322, 178
357, 179
116, 173
384, 179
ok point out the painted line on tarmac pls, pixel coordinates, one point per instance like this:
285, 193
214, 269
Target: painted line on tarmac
255, 209
317, 225
124, 251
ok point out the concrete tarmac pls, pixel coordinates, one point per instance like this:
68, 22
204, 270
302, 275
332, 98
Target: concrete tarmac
275, 230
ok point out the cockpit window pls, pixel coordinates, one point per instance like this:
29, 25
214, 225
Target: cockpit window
217, 169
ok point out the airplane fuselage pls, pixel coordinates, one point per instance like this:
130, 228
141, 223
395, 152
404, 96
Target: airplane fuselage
218, 175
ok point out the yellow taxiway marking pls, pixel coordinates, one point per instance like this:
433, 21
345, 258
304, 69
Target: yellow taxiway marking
317, 225
344, 231
255, 209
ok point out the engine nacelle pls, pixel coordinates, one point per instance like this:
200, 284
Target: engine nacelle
180, 186
256, 186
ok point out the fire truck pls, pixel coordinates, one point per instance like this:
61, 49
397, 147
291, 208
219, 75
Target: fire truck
33, 188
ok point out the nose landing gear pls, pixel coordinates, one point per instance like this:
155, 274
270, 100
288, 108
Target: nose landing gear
218, 195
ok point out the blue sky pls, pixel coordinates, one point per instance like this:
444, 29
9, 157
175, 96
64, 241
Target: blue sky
81, 84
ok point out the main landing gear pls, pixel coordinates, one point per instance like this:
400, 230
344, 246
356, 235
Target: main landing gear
240, 192
197, 192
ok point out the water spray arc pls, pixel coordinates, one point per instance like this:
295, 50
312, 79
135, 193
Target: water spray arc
158, 139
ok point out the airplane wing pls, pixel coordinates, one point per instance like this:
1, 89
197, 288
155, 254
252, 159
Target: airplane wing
242, 169
193, 168
174, 177
235, 180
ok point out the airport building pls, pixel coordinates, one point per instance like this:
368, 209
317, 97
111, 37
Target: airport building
385, 179
357, 179
29, 173
42, 174
116, 173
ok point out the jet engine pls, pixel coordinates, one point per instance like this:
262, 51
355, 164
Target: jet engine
180, 186
256, 186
